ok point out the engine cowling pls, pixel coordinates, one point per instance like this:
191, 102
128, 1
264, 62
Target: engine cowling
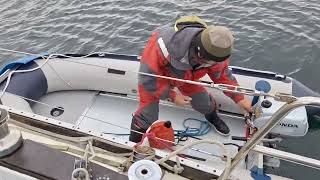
294, 124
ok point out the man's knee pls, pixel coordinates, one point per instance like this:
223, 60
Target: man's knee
203, 102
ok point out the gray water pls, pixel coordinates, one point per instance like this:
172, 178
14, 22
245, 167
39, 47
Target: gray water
280, 36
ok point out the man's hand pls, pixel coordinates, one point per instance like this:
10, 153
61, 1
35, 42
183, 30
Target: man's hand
182, 100
246, 105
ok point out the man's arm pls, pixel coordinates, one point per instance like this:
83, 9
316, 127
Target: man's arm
226, 77
153, 62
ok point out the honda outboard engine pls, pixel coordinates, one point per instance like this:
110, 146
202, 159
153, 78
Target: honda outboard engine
294, 124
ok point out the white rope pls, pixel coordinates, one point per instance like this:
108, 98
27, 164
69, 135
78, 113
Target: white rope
174, 153
4, 73
89, 149
100, 120
89, 145
21, 71
142, 73
66, 56
33, 69
68, 83
36, 68
222, 87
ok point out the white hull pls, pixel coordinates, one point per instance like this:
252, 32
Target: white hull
98, 96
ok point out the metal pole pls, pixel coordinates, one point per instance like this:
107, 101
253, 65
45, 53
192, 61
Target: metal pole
274, 120
10, 140
290, 157
4, 130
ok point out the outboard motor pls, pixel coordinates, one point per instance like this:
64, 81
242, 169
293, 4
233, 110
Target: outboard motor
294, 124
300, 90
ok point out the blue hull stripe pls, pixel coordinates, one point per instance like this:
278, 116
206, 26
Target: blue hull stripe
23, 60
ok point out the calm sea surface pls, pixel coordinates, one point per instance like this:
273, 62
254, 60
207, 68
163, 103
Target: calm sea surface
280, 36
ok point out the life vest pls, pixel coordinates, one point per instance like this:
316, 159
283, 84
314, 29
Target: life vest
174, 42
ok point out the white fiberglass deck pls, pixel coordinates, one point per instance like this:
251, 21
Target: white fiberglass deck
108, 113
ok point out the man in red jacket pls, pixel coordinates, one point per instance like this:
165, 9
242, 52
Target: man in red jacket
189, 51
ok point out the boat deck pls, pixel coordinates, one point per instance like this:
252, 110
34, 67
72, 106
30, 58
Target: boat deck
109, 113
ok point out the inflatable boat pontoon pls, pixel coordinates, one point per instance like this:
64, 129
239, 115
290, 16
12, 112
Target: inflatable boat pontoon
68, 97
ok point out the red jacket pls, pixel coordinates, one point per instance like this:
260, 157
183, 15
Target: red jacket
154, 62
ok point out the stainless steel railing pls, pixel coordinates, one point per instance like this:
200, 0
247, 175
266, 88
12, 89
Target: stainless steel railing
274, 120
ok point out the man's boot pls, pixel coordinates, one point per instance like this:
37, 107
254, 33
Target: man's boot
134, 136
217, 123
